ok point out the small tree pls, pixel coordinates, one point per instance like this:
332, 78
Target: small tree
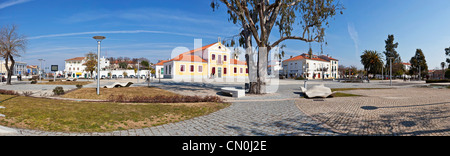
91, 63
11, 45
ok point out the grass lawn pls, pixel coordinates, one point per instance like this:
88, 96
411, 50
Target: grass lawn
91, 93
339, 94
71, 116
65, 83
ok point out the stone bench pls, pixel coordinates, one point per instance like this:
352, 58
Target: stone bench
117, 85
237, 93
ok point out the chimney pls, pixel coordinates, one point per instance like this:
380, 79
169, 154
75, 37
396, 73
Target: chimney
291, 56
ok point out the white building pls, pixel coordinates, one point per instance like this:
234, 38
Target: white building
20, 68
159, 69
317, 67
75, 67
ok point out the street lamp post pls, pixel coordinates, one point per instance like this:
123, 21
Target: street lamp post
99, 40
40, 69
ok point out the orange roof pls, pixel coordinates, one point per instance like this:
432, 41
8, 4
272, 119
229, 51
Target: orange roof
237, 62
190, 58
300, 57
76, 59
407, 64
198, 49
160, 63
303, 56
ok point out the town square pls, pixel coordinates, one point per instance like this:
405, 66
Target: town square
223, 68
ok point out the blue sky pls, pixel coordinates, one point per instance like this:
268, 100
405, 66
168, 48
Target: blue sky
63, 29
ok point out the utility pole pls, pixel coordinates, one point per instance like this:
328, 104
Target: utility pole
390, 75
40, 69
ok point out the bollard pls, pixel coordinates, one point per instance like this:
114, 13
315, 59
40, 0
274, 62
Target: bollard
305, 85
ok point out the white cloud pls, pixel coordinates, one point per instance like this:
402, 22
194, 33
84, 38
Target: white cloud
11, 3
118, 32
354, 35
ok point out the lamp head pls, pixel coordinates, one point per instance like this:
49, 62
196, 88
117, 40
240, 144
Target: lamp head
99, 38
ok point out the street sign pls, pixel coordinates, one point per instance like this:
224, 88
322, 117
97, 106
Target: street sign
54, 68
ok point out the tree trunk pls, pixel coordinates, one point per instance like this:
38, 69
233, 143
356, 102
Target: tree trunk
9, 69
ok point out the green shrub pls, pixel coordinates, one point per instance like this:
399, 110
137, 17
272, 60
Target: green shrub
79, 86
33, 82
447, 74
58, 90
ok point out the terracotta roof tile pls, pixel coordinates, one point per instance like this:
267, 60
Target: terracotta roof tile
76, 59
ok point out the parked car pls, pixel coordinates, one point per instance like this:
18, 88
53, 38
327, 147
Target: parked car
120, 76
103, 77
132, 76
114, 76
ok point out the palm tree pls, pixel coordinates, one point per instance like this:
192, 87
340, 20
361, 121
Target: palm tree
11, 45
443, 69
372, 61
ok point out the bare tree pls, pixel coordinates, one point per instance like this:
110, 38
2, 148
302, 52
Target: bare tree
12, 45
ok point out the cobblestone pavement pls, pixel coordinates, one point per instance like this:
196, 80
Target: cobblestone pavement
269, 115
404, 112
255, 118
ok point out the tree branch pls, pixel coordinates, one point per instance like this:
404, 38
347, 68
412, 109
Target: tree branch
293, 38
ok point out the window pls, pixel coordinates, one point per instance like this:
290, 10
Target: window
241, 71
182, 68
200, 69
246, 70
170, 69
192, 68
224, 71
70, 68
235, 70
213, 57
224, 57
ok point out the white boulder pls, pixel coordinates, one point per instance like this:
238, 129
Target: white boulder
318, 91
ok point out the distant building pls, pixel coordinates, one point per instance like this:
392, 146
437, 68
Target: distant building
159, 68
317, 67
75, 67
20, 68
213, 61
436, 74
407, 66
32, 69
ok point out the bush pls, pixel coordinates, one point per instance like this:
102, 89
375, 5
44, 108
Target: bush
164, 99
50, 80
58, 91
300, 78
447, 74
33, 82
27, 93
79, 86
8, 92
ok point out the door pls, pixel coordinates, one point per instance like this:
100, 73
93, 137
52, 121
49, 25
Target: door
219, 71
